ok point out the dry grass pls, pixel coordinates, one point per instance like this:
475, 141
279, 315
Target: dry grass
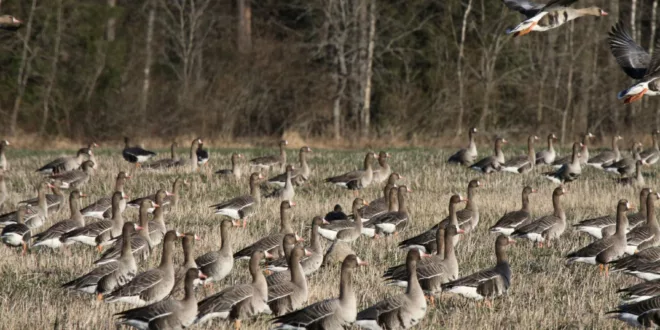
545, 294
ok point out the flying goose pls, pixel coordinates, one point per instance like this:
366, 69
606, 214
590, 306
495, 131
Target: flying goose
523, 163
549, 16
607, 157
10, 23
466, 156
547, 157
492, 163
266, 162
548, 227
136, 154
508, 223
242, 207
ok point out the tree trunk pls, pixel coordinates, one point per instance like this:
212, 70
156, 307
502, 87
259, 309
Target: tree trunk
111, 27
53, 72
366, 102
244, 30
146, 82
23, 72
459, 70
569, 84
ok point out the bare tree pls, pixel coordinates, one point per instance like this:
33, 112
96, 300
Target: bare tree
24, 70
459, 70
53, 73
366, 102
148, 59
244, 30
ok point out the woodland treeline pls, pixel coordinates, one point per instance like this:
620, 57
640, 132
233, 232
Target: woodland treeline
344, 69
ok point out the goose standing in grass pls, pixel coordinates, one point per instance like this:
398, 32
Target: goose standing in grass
4, 193
242, 207
10, 23
103, 229
38, 214
310, 263
288, 296
567, 172
287, 192
157, 226
380, 205
426, 241
636, 62
651, 155
468, 218
392, 222
105, 278
334, 313
345, 230
523, 163
640, 292
239, 302
192, 159
54, 201
646, 235
584, 153
468, 155
634, 180
4, 165
288, 243
356, 180
179, 287
489, 283
492, 163
171, 198
65, 164
547, 157
165, 163
201, 153
626, 166
607, 157
51, 236
631, 264
604, 226
75, 179
271, 243
166, 314
549, 16
642, 314
152, 285
508, 223
548, 227
102, 208
608, 249
299, 175
235, 171
383, 173
136, 155
216, 265
266, 162
17, 234
402, 311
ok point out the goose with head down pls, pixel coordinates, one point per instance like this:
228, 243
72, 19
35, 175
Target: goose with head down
468, 155
135, 154
549, 16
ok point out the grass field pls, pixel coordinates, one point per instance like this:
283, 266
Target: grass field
545, 293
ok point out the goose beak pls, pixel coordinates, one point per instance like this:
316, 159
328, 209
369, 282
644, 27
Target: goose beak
299, 239
197, 238
603, 13
138, 227
202, 276
361, 262
308, 253
365, 203
325, 222
511, 241
167, 193
460, 231
156, 205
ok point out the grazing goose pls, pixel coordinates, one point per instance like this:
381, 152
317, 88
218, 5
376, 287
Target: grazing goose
235, 170
548, 227
466, 156
107, 277
179, 287
607, 157
334, 313
271, 243
266, 162
10, 23
567, 172
642, 314
38, 214
238, 302
492, 163
310, 263
336, 214
626, 166
4, 165
646, 235
508, 223
523, 163
201, 153
637, 179
641, 291
287, 192
54, 201
17, 234
584, 153
345, 230
549, 16
468, 218
608, 249
601, 227
651, 155
102, 208
402, 311
241, 207
299, 175
392, 222
291, 295
636, 63
165, 163
51, 236
74, 179
358, 179
152, 285
136, 154
426, 241
104, 230
383, 173
166, 314
488, 283
216, 265
65, 164
547, 157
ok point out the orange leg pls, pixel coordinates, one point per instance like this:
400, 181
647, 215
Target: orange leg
488, 303
607, 270
24, 249
525, 31
244, 222
633, 98
100, 248
99, 297
541, 245
237, 324
431, 299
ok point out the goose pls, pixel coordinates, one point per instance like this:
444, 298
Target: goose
608, 249
107, 277
235, 170
549, 16
74, 179
10, 23
152, 285
17, 234
157, 227
648, 234
51, 236
238, 302
642, 314
4, 194
266, 162
356, 180
392, 222
466, 156
65, 164
54, 201
643, 264
426, 241
640, 292
548, 227
601, 227
508, 223
567, 172
287, 192
299, 175
584, 153
179, 287
468, 218
492, 163
291, 295
334, 313
402, 311
166, 314
626, 166
310, 264
637, 179
336, 214
216, 265
523, 163
38, 214
171, 198
288, 243
135, 155
103, 229
102, 208
488, 283
92, 156
607, 157
271, 243
345, 230
335, 254
383, 173
165, 162
636, 62
4, 165
192, 159
380, 205
241, 207
201, 153
547, 157
651, 155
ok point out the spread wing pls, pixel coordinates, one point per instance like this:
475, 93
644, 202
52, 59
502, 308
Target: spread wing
524, 7
632, 58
